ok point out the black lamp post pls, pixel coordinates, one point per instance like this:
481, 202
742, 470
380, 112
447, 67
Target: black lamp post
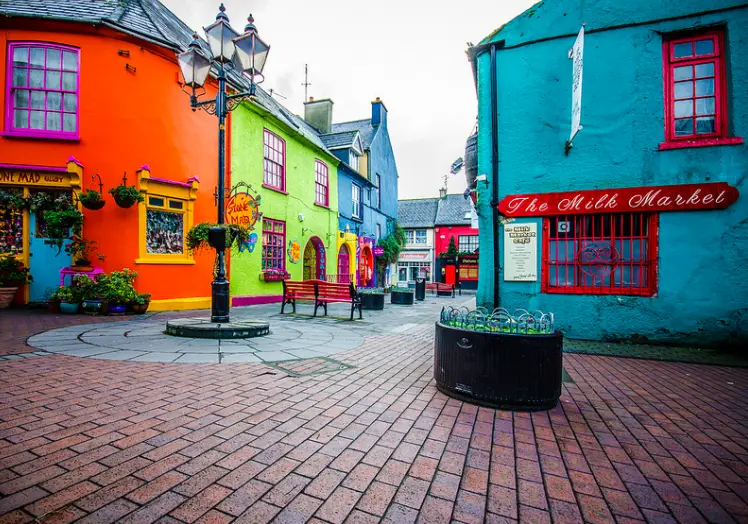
249, 53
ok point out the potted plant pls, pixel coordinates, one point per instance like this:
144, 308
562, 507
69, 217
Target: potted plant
82, 251
91, 199
401, 296
126, 196
140, 303
499, 360
89, 291
53, 302
371, 297
60, 221
117, 290
70, 301
13, 274
197, 236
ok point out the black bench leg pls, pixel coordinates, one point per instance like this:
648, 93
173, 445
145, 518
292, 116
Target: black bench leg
283, 305
316, 305
360, 308
353, 308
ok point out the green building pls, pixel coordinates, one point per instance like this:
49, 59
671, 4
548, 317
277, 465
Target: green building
284, 162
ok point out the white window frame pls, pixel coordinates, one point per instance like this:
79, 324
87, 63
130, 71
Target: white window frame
356, 200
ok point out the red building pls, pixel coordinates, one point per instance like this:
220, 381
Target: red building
454, 220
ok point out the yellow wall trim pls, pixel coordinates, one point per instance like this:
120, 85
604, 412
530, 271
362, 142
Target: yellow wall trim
179, 304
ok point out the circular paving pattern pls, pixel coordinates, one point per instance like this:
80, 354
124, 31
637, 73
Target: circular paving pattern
146, 341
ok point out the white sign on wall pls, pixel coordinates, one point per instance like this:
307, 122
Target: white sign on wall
577, 55
521, 252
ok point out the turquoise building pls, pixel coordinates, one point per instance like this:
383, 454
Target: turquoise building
633, 226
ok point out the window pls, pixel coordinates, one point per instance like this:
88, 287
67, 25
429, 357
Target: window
273, 244
377, 200
164, 219
274, 164
695, 91
467, 243
379, 231
420, 236
321, 190
11, 225
356, 200
600, 254
409, 236
413, 270
353, 157
164, 226
42, 96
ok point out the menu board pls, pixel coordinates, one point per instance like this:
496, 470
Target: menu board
521, 252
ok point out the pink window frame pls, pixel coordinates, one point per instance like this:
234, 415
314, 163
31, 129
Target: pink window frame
9, 99
321, 184
720, 89
267, 138
272, 233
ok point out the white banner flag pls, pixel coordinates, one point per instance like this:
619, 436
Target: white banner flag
577, 54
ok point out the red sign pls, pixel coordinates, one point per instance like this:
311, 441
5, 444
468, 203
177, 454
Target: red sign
378, 251
688, 197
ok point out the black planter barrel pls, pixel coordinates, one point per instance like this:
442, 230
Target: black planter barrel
504, 371
402, 298
373, 301
420, 289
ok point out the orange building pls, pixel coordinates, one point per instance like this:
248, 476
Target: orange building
101, 96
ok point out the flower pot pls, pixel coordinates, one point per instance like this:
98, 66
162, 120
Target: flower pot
502, 370
53, 306
93, 205
7, 294
117, 309
82, 268
373, 301
402, 298
92, 307
69, 308
139, 309
124, 202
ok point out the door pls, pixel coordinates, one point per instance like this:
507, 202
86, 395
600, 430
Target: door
344, 265
310, 262
449, 274
44, 261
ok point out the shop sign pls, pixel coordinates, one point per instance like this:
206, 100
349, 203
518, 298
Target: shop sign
521, 252
414, 256
242, 209
686, 197
378, 251
34, 178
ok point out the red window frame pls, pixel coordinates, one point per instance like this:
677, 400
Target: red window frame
605, 254
676, 77
321, 184
273, 244
52, 88
274, 161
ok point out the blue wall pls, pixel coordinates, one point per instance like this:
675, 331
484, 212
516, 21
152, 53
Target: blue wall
702, 291
382, 162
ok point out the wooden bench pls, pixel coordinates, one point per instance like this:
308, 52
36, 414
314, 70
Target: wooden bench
321, 293
441, 290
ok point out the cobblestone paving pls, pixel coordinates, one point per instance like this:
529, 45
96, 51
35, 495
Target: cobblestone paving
124, 441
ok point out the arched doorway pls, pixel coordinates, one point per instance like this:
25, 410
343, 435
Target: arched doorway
344, 265
314, 260
366, 267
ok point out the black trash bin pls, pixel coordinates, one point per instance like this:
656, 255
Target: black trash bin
420, 289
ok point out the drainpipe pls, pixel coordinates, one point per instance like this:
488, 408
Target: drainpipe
495, 171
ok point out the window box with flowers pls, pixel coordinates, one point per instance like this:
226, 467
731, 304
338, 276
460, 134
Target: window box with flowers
274, 275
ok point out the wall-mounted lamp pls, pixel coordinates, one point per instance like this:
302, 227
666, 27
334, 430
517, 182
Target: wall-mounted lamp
301, 217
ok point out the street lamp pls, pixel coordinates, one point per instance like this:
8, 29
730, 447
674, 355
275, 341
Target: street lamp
224, 43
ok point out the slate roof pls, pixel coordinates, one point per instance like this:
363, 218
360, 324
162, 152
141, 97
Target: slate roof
420, 212
452, 210
364, 127
338, 140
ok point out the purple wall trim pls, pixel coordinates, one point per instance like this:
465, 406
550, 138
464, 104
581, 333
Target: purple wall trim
193, 179
71, 158
144, 167
171, 182
34, 168
254, 300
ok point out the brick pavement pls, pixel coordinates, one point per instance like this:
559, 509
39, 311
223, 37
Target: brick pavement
100, 441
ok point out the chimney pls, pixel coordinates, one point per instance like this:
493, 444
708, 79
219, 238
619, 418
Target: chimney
378, 113
443, 192
318, 113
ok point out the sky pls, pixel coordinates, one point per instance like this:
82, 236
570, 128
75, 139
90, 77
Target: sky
410, 53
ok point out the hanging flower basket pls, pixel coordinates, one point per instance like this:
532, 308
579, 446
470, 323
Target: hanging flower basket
91, 199
274, 275
126, 196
